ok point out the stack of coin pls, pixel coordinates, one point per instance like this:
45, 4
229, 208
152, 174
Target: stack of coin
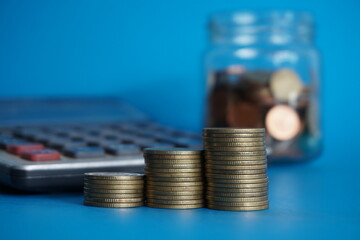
235, 169
174, 178
114, 189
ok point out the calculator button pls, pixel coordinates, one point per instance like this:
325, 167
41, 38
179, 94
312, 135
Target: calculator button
8, 141
5, 135
112, 136
143, 142
42, 138
73, 134
63, 134
95, 133
103, 142
27, 133
68, 143
85, 152
52, 141
123, 150
20, 148
41, 155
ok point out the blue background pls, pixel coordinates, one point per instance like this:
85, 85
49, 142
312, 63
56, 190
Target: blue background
150, 54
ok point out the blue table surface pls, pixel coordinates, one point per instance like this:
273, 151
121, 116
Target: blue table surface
316, 201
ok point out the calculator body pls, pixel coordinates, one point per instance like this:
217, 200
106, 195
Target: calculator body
88, 134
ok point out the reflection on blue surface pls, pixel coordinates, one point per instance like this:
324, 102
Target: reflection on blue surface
306, 201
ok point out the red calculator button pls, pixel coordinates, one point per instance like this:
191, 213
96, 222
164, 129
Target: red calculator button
20, 148
41, 155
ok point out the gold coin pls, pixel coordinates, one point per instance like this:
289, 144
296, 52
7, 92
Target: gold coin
117, 182
172, 189
174, 175
173, 151
237, 190
175, 202
241, 185
225, 208
243, 144
285, 83
236, 163
174, 184
235, 149
173, 162
236, 171
238, 204
223, 140
178, 206
171, 197
236, 194
211, 153
171, 157
236, 176
170, 170
236, 181
236, 167
234, 130
114, 176
113, 195
173, 166
114, 200
113, 205
174, 179
243, 199
236, 158
233, 135
113, 191
113, 186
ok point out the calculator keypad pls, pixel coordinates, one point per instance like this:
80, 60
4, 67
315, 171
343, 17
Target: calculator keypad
85, 152
88, 141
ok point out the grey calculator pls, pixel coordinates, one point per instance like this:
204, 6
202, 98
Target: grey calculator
48, 144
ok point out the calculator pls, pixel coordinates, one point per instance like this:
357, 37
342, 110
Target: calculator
48, 144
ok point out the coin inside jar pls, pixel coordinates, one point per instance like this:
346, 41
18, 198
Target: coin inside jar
285, 84
282, 122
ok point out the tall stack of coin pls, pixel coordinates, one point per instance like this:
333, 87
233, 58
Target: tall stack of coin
174, 178
114, 189
235, 165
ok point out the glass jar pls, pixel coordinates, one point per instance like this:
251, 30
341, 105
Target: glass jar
263, 71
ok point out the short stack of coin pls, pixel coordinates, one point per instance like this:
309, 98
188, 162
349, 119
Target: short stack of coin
174, 178
114, 189
235, 169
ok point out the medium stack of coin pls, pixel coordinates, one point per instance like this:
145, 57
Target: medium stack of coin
174, 178
235, 169
114, 189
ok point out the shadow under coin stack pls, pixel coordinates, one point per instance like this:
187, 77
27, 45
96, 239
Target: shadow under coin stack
114, 189
174, 178
235, 165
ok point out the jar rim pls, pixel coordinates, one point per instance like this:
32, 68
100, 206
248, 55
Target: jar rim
254, 17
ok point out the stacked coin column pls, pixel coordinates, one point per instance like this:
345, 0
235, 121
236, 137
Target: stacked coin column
174, 178
111, 189
235, 169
